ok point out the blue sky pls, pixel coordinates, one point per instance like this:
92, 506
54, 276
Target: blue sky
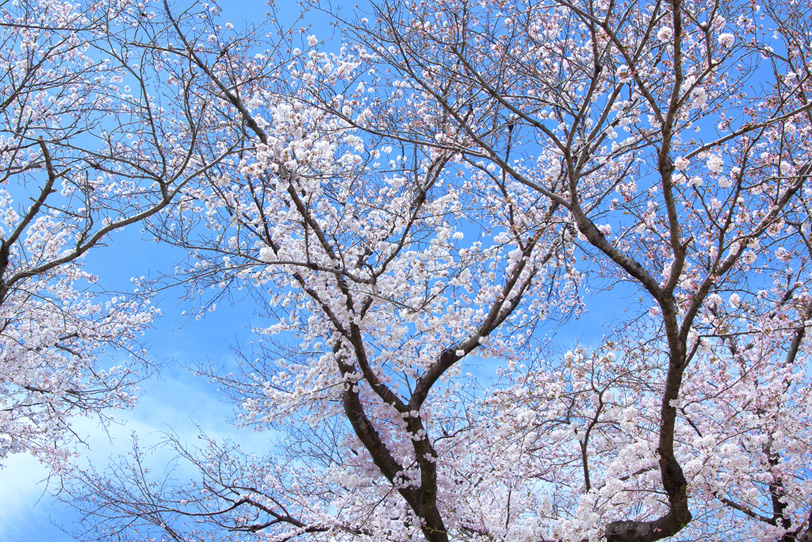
173, 400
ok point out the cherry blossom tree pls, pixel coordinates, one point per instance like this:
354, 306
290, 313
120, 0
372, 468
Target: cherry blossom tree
432, 194
102, 127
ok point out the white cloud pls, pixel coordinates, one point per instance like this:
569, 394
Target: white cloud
23, 504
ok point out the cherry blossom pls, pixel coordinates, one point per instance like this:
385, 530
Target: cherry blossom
100, 130
445, 191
